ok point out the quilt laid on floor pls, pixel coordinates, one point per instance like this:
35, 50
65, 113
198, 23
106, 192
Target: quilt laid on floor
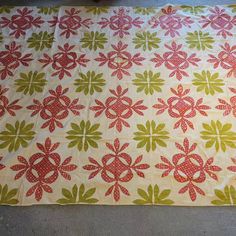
118, 105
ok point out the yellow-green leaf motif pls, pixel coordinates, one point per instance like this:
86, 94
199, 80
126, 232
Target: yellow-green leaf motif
153, 196
226, 197
193, 9
5, 9
93, 40
233, 6
218, 135
40, 41
97, 10
7, 197
150, 135
148, 82
31, 82
84, 135
74, 196
146, 40
207, 82
16, 135
89, 83
199, 40
48, 10
144, 10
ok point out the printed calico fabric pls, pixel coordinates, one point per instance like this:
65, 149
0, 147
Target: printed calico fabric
118, 105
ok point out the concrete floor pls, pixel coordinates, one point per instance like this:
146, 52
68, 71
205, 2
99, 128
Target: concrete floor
120, 220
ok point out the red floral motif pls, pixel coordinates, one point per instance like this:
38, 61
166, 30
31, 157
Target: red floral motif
70, 22
121, 22
11, 59
43, 168
228, 107
226, 59
21, 22
219, 20
116, 167
64, 61
170, 22
182, 107
175, 60
1, 165
188, 167
55, 107
118, 108
232, 168
119, 60
5, 105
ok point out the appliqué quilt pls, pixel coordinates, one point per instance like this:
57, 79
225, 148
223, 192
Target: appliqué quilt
118, 105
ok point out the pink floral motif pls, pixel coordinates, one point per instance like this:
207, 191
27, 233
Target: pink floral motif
230, 106
119, 60
189, 168
121, 22
70, 22
43, 168
170, 21
118, 108
11, 59
226, 59
55, 107
181, 106
21, 22
219, 20
5, 105
232, 168
176, 60
1, 165
64, 61
116, 167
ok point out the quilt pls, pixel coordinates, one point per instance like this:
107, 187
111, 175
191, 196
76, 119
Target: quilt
118, 105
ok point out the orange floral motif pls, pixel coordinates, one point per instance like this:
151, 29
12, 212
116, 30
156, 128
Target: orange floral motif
55, 107
118, 108
189, 168
43, 168
181, 106
116, 167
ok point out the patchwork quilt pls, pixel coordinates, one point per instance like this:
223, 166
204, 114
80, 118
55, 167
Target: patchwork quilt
118, 105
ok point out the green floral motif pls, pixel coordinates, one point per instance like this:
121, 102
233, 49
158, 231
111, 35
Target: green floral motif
226, 197
31, 82
48, 10
97, 10
93, 40
207, 82
150, 135
146, 40
89, 82
5, 9
74, 196
84, 135
8, 196
1, 38
233, 7
40, 41
153, 196
148, 82
15, 136
193, 9
144, 10
219, 135
199, 40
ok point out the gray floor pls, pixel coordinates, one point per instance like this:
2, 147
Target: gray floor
122, 220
